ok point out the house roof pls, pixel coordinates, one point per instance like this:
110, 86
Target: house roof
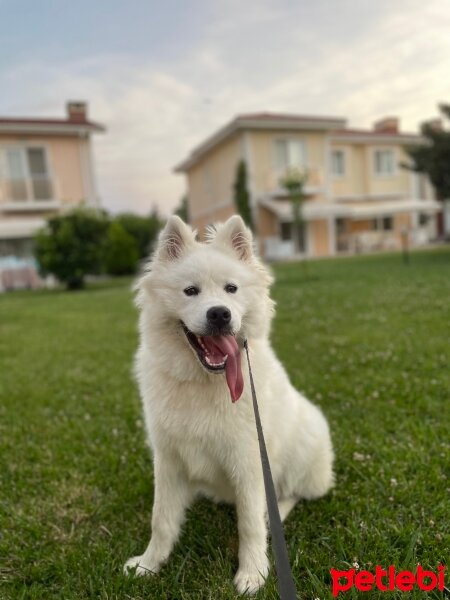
268, 116
376, 135
46, 126
263, 120
267, 120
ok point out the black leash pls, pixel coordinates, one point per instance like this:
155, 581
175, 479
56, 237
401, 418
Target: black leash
286, 585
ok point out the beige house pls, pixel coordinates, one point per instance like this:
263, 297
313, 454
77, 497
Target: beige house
358, 198
46, 167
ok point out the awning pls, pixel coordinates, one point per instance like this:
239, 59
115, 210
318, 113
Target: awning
19, 228
314, 210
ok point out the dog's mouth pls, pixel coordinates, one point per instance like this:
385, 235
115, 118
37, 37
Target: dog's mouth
219, 354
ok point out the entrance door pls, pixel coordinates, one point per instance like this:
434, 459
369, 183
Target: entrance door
342, 235
296, 234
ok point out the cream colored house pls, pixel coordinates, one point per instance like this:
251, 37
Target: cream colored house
358, 198
46, 167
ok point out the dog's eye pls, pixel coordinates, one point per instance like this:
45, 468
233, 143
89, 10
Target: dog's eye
231, 288
192, 290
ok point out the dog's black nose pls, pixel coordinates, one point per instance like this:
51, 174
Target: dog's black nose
218, 316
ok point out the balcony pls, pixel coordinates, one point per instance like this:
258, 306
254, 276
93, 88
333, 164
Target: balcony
32, 194
315, 183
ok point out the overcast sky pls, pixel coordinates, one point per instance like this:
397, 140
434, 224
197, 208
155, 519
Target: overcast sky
162, 76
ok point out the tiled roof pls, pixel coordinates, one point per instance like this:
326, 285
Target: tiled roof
264, 120
282, 121
374, 133
267, 116
33, 124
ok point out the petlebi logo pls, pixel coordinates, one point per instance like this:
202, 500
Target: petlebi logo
387, 580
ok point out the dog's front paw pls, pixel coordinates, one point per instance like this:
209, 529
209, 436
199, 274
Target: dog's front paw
248, 581
137, 566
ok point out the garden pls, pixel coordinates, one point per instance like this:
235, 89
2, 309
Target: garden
367, 338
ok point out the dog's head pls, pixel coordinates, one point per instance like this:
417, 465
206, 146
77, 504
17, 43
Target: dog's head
216, 293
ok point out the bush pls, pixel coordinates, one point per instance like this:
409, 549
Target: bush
72, 246
121, 251
87, 242
143, 229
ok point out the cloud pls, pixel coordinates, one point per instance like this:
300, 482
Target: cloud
358, 61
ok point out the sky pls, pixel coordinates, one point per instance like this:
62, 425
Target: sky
163, 76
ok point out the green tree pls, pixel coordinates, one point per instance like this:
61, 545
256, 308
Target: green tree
71, 246
294, 182
433, 156
143, 229
183, 209
241, 194
121, 251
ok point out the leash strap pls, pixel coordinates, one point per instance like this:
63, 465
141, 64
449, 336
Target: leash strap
286, 585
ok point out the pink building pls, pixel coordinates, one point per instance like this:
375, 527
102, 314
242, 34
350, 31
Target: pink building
46, 168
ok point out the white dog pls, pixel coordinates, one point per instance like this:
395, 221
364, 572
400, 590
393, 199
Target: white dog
199, 302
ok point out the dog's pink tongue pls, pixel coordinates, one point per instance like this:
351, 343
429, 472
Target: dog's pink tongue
227, 345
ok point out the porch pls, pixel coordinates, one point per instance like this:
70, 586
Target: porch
329, 228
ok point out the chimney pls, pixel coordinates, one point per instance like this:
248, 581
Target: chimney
76, 112
434, 124
387, 125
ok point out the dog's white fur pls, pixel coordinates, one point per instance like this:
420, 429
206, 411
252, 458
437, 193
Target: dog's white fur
201, 442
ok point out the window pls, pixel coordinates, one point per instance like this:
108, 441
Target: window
37, 167
16, 169
384, 162
27, 174
423, 219
387, 224
290, 154
286, 231
21, 248
338, 163
382, 224
341, 226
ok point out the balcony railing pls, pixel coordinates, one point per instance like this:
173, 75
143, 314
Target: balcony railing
25, 192
315, 181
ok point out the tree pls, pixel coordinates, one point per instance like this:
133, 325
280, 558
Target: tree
121, 251
183, 210
433, 156
294, 182
241, 195
143, 229
72, 246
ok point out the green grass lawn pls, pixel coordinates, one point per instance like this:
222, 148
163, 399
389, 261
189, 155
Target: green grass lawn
368, 339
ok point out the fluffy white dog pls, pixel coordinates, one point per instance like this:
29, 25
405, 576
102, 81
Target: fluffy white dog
199, 302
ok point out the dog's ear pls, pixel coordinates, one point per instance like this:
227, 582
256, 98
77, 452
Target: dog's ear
236, 235
174, 239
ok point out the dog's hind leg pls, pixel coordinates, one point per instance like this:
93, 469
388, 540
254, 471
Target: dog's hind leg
173, 495
285, 506
319, 478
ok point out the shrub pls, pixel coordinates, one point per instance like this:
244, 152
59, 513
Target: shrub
72, 246
143, 229
121, 251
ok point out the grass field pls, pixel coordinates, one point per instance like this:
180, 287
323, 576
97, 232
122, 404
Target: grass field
367, 338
